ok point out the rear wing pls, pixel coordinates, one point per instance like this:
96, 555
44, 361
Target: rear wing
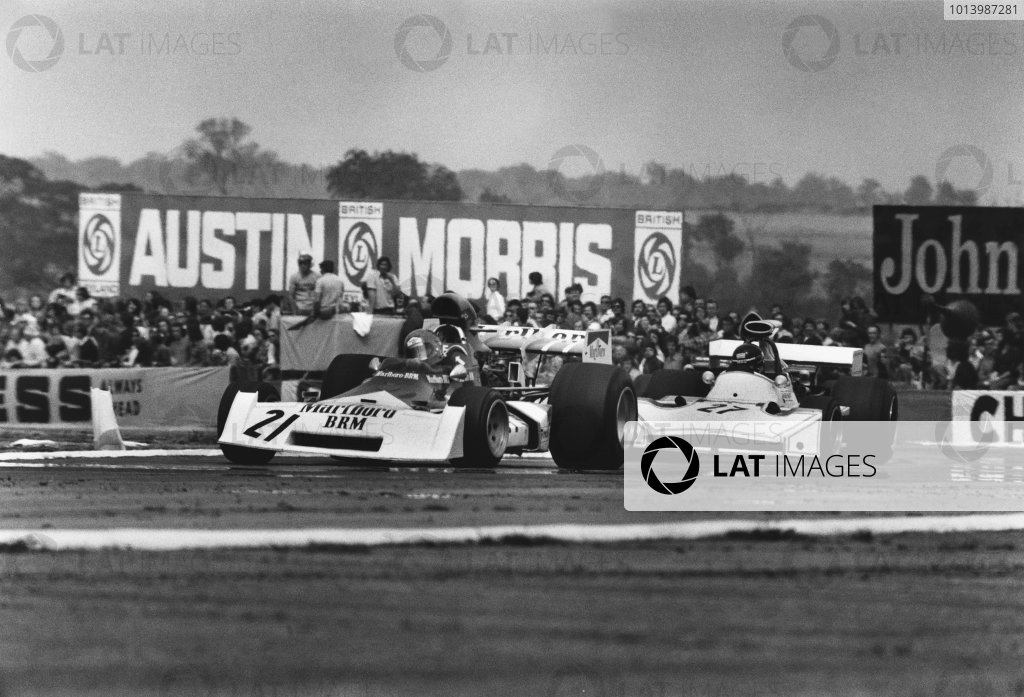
842, 358
532, 339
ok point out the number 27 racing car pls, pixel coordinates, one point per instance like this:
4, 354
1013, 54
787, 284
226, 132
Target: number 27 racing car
800, 389
430, 406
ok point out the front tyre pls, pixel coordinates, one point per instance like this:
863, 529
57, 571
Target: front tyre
590, 406
239, 454
485, 427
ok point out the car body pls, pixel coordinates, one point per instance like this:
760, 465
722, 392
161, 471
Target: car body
404, 410
802, 391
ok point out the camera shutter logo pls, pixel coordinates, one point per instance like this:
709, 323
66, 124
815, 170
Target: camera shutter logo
810, 21
402, 36
670, 447
99, 244
359, 252
970, 152
56, 48
575, 193
656, 265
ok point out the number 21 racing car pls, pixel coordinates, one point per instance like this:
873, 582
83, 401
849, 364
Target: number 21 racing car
431, 406
792, 386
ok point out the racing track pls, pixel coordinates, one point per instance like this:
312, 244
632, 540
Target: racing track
747, 613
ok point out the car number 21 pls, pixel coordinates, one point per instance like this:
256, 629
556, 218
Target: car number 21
720, 408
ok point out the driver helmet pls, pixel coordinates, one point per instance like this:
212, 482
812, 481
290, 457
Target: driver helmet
422, 345
748, 357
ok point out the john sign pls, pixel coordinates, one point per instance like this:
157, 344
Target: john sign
949, 253
211, 246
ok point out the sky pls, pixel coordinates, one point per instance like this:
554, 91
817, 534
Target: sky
763, 89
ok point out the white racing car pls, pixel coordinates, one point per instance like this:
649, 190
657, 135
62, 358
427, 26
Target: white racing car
757, 380
430, 406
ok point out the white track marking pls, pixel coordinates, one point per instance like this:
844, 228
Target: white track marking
162, 540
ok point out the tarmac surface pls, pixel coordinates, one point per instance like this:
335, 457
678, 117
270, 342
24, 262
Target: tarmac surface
747, 612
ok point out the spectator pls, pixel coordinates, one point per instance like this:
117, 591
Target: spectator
178, 345
537, 286
83, 351
224, 352
269, 316
590, 320
56, 346
962, 375
494, 301
32, 348
161, 352
139, 353
713, 320
301, 286
809, 334
673, 355
666, 319
22, 313
650, 361
328, 291
64, 294
198, 346
380, 288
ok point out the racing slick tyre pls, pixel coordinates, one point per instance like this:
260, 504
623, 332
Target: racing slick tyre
346, 371
869, 399
831, 415
239, 454
667, 382
590, 405
485, 431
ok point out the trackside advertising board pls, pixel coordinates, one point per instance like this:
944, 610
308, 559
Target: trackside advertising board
215, 246
950, 253
158, 398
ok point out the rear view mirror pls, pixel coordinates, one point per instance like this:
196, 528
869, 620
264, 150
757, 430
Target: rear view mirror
459, 372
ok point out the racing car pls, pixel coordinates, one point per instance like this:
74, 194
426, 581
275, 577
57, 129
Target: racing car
431, 405
756, 379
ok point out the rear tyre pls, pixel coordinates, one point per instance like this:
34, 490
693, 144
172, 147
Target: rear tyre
870, 399
590, 406
485, 430
239, 454
831, 416
667, 382
346, 371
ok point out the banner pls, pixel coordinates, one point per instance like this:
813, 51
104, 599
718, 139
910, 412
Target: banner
215, 246
157, 398
1005, 409
314, 346
950, 253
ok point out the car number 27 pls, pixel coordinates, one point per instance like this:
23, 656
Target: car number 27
720, 408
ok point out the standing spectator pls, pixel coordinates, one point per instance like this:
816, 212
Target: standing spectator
178, 345
665, 317
714, 321
327, 292
301, 285
537, 288
64, 294
494, 301
962, 375
380, 288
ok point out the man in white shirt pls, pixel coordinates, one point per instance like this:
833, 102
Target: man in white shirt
301, 286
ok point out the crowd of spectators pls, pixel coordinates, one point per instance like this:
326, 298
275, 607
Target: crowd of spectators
71, 329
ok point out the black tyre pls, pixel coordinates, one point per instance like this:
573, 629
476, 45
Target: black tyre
831, 416
239, 454
668, 382
346, 371
641, 383
485, 434
869, 399
590, 405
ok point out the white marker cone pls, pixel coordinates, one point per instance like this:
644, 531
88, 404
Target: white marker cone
105, 433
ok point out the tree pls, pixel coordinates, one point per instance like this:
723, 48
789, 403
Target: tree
919, 193
488, 196
716, 230
391, 175
38, 219
870, 193
222, 154
948, 195
782, 275
846, 279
